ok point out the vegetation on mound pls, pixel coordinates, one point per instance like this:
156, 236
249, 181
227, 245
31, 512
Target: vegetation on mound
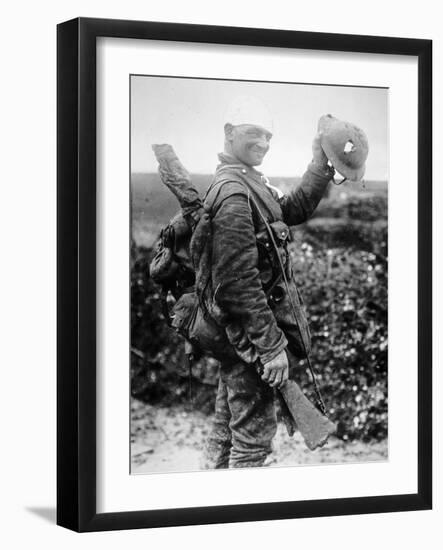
345, 293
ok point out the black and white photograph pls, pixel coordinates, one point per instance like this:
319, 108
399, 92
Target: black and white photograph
259, 274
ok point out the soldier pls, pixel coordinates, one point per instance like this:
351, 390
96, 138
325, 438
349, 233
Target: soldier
248, 287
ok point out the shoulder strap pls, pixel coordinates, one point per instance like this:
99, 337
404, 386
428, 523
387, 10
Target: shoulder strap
253, 197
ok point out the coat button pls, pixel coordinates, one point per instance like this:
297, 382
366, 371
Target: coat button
243, 171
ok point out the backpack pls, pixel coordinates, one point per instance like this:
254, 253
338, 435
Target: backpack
181, 264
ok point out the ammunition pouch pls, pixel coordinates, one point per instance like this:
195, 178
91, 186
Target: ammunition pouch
198, 327
295, 329
269, 265
270, 269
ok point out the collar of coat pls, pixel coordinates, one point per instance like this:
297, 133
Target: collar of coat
226, 159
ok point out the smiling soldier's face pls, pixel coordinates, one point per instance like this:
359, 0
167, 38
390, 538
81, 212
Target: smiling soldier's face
248, 143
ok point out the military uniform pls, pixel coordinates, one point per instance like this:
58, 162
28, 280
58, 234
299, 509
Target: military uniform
244, 280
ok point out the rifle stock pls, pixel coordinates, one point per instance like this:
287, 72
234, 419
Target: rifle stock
314, 427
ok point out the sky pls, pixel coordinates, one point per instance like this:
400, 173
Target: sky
189, 113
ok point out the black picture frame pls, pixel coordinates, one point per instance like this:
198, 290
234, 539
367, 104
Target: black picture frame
76, 265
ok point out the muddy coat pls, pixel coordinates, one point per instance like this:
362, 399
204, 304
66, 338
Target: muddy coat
244, 272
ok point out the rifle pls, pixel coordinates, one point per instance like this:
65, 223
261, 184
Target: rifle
311, 421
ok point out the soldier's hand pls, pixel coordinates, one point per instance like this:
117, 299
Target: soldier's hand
319, 157
276, 371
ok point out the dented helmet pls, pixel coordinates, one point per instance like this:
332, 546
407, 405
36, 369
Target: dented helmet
345, 145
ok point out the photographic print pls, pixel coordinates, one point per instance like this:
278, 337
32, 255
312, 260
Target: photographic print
222, 274
259, 271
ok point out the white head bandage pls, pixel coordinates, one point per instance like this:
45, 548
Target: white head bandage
248, 110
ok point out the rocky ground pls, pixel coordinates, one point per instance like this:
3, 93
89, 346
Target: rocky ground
171, 440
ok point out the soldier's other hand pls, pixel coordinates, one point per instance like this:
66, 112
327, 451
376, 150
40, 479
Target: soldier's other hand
276, 371
318, 155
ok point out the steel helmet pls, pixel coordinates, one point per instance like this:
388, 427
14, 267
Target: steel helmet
345, 145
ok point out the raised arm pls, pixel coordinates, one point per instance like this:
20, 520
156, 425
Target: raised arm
299, 205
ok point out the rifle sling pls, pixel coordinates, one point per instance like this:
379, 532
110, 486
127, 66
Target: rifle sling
295, 312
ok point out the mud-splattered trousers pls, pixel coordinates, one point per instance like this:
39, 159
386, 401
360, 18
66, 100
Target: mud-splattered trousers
245, 418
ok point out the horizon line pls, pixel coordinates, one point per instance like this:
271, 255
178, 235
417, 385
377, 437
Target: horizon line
384, 179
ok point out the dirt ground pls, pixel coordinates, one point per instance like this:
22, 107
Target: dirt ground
171, 440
